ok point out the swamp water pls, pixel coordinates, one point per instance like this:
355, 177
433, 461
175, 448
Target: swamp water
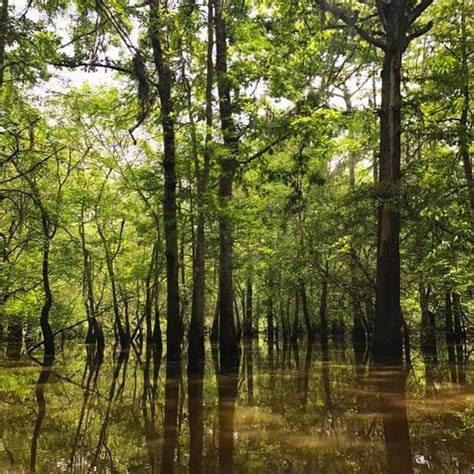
299, 410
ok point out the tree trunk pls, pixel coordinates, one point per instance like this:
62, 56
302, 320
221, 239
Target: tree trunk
228, 345
3, 39
270, 322
196, 331
174, 327
95, 334
248, 318
387, 342
428, 335
296, 324
307, 320
48, 336
464, 135
124, 337
323, 308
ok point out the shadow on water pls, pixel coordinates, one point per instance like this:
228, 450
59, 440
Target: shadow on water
314, 407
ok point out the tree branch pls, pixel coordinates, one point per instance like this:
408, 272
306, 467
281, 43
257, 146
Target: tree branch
350, 20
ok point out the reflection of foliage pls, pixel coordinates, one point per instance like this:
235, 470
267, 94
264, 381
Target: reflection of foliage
303, 414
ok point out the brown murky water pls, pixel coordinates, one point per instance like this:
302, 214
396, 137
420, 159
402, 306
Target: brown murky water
298, 410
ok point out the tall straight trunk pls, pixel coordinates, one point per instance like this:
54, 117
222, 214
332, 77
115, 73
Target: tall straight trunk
174, 327
449, 325
248, 319
387, 341
151, 295
464, 135
270, 322
3, 39
304, 303
428, 334
457, 319
48, 336
397, 20
296, 324
323, 309
196, 330
358, 328
228, 345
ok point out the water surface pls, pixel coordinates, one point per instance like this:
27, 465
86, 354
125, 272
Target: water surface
300, 410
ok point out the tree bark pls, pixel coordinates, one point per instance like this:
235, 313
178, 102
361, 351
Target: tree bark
95, 334
124, 337
196, 330
323, 308
174, 328
3, 39
464, 138
228, 345
387, 341
48, 336
248, 320
307, 320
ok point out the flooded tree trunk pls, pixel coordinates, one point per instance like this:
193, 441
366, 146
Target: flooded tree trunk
387, 341
397, 19
196, 330
174, 327
228, 345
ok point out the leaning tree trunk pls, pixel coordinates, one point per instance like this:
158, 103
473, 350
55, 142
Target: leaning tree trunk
174, 328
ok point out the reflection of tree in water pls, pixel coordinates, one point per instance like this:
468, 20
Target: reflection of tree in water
149, 400
91, 374
43, 379
170, 429
196, 413
391, 385
114, 393
227, 387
